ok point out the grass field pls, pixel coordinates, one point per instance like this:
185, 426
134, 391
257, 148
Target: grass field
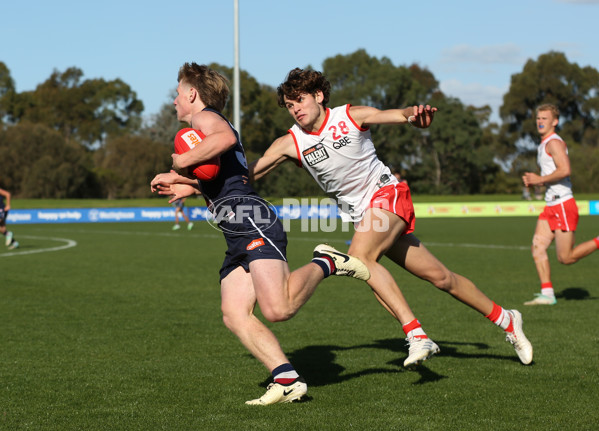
118, 327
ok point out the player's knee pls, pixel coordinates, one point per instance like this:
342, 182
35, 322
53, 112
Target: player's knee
231, 323
234, 318
443, 280
273, 314
540, 244
565, 258
367, 258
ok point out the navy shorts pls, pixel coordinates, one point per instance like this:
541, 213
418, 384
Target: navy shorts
255, 232
3, 215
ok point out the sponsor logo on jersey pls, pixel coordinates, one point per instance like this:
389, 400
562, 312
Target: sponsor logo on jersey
255, 244
315, 154
191, 138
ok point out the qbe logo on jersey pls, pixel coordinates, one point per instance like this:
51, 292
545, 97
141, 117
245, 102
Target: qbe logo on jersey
315, 154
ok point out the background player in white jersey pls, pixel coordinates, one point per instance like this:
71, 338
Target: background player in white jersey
559, 219
334, 145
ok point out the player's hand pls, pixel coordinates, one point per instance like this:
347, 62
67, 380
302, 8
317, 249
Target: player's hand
531, 179
177, 191
164, 180
422, 116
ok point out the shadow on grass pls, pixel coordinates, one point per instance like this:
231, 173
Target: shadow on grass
317, 364
451, 348
575, 294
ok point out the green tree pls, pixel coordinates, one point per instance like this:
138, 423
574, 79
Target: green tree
7, 90
553, 79
575, 90
87, 111
452, 157
39, 163
449, 157
163, 126
126, 165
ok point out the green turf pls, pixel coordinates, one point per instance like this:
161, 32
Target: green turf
123, 332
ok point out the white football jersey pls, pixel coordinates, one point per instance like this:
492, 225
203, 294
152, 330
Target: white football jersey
342, 159
561, 190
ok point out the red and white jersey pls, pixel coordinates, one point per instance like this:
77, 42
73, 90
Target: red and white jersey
342, 159
561, 190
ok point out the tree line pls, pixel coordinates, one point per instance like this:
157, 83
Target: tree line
73, 137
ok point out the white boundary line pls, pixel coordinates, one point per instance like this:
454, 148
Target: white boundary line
290, 238
69, 243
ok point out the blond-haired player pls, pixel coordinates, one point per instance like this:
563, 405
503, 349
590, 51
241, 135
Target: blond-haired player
559, 219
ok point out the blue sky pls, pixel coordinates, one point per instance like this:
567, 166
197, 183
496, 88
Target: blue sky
472, 47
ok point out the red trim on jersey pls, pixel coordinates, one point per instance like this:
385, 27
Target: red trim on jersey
362, 129
550, 138
299, 156
324, 123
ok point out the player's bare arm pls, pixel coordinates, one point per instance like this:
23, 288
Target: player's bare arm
419, 116
281, 150
178, 191
219, 138
557, 150
167, 178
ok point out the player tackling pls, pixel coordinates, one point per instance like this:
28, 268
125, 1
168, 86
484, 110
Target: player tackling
255, 268
559, 219
334, 145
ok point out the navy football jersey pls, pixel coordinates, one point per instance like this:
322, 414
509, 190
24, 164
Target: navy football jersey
233, 178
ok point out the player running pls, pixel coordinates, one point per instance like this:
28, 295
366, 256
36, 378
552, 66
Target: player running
559, 219
255, 268
335, 147
9, 239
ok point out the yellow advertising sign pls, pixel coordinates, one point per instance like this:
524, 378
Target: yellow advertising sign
487, 209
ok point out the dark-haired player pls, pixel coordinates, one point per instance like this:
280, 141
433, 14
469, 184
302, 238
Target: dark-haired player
335, 147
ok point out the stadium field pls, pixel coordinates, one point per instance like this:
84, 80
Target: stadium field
117, 326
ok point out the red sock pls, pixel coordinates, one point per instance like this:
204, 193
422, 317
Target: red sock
414, 329
596, 241
501, 318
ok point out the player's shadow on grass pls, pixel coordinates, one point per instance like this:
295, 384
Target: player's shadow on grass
318, 364
575, 294
452, 349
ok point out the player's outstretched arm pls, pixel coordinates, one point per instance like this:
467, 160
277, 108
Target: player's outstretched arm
420, 116
167, 178
281, 150
178, 191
